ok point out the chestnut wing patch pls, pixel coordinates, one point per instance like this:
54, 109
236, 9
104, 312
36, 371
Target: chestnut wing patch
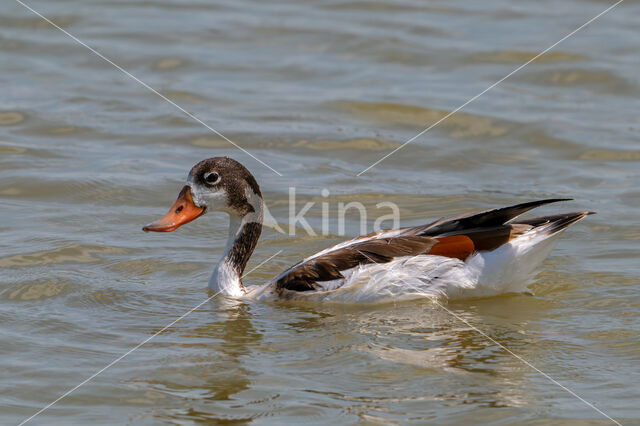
456, 246
329, 266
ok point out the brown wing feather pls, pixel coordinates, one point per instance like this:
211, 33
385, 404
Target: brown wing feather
329, 266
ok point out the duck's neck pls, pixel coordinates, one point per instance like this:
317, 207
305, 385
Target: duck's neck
244, 233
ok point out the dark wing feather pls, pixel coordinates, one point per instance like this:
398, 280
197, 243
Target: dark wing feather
556, 222
484, 219
306, 275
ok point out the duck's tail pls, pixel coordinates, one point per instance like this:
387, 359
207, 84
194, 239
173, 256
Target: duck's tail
553, 224
511, 267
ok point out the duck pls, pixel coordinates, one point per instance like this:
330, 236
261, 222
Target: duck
478, 254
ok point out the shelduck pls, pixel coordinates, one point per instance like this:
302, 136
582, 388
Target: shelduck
472, 255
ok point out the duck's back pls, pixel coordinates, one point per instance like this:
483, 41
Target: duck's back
475, 255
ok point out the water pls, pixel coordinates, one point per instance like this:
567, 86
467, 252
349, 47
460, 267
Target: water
319, 92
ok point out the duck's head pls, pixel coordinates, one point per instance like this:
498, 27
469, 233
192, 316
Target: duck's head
214, 184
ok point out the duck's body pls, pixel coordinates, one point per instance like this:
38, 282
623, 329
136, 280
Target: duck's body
474, 255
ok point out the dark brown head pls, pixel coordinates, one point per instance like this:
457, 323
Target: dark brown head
214, 184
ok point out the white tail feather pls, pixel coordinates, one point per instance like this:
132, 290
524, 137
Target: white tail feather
511, 267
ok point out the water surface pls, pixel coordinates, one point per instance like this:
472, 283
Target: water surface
319, 92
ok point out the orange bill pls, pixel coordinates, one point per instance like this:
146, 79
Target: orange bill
183, 211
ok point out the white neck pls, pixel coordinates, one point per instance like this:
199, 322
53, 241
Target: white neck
225, 277
243, 235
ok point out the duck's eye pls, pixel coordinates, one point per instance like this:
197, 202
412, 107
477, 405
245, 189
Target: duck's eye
211, 178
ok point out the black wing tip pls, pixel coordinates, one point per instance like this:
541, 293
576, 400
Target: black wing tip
583, 214
552, 200
533, 204
566, 221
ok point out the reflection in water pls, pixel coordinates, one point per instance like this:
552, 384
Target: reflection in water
412, 348
222, 373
